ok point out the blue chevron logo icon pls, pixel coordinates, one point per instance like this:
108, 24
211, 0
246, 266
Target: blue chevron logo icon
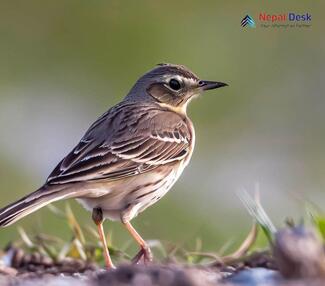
248, 21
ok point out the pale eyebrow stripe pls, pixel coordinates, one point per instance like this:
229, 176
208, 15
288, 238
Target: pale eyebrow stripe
179, 77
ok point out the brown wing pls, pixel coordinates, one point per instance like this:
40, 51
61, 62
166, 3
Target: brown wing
127, 140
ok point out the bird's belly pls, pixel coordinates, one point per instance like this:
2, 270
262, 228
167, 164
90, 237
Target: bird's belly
126, 198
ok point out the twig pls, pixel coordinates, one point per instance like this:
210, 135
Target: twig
243, 248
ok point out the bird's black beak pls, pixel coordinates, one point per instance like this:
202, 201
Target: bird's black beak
206, 85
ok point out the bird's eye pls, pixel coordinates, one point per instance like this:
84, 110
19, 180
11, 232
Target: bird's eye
175, 84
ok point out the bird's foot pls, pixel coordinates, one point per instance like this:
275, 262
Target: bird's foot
145, 253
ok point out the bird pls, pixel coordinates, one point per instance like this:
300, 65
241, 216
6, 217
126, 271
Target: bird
129, 158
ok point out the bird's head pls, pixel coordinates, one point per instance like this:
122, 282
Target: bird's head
172, 86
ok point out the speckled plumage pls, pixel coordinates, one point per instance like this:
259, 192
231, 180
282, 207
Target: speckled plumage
131, 156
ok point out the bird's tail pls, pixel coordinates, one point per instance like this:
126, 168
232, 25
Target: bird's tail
31, 203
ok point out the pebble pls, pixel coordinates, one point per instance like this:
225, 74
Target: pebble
6, 270
17, 257
255, 277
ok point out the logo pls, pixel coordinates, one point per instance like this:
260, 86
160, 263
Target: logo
278, 20
248, 21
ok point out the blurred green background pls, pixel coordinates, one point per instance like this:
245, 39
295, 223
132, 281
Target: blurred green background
64, 63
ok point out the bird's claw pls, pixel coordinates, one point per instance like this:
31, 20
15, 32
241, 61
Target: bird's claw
144, 252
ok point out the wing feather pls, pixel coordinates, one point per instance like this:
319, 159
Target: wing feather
127, 140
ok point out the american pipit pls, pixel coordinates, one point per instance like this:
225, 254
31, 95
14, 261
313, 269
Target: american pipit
129, 158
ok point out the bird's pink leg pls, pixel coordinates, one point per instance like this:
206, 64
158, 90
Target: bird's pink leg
145, 251
98, 219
